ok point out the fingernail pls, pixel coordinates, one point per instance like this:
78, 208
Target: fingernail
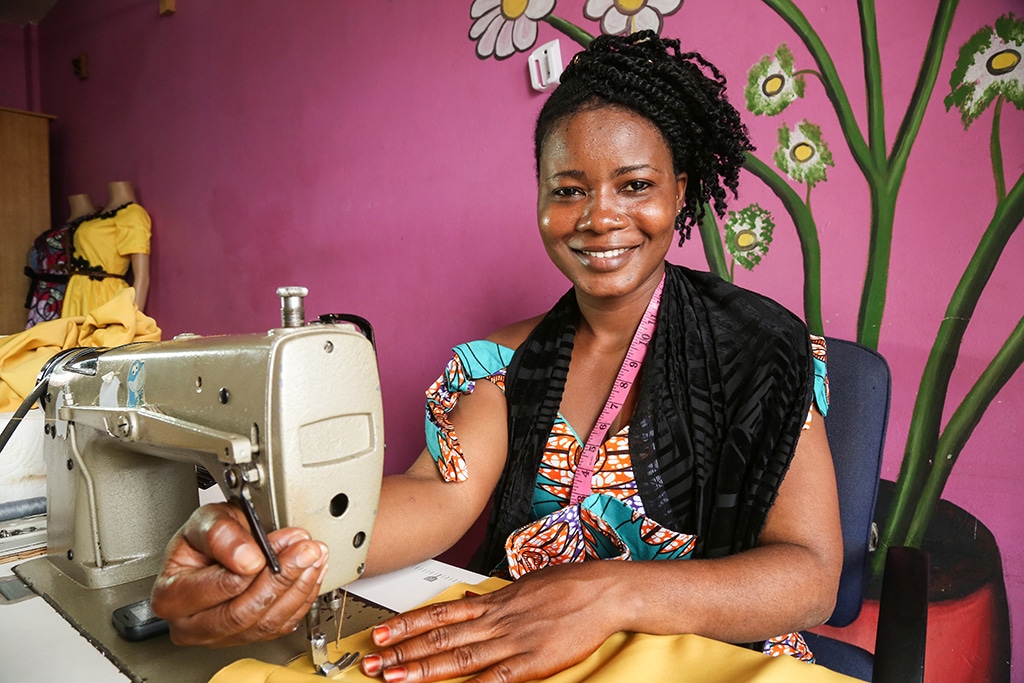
323, 573
307, 556
395, 674
248, 558
381, 635
372, 664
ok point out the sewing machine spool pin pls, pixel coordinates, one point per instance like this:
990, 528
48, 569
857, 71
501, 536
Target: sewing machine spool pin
293, 312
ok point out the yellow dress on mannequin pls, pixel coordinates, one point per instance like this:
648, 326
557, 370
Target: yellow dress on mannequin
104, 246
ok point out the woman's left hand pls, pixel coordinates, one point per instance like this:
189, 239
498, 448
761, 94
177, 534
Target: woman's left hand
542, 624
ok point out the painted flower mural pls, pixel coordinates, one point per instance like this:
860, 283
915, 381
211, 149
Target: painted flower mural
771, 84
503, 27
802, 153
630, 16
988, 74
748, 232
989, 66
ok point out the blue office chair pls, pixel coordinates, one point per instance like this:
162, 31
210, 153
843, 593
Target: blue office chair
860, 387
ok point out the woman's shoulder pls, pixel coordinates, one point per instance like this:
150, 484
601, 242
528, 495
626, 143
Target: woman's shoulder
739, 308
511, 336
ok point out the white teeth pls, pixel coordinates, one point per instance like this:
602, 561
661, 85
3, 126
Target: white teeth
605, 254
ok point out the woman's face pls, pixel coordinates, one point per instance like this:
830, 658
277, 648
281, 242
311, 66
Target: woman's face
607, 201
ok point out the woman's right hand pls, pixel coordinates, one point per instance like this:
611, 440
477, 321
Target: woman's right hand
216, 590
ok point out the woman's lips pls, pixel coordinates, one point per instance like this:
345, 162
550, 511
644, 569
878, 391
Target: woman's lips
606, 259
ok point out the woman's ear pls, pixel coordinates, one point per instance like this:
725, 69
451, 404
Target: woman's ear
680, 191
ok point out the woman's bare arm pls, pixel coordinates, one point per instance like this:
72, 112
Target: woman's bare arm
553, 618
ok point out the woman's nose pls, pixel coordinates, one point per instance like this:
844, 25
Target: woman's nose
601, 215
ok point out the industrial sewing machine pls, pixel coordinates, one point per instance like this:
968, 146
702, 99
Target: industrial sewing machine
288, 423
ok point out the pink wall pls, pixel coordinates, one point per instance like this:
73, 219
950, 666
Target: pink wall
362, 150
13, 89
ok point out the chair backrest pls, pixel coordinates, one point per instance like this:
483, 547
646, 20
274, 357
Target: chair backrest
858, 413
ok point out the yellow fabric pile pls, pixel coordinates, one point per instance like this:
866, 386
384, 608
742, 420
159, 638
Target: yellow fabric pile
22, 355
623, 657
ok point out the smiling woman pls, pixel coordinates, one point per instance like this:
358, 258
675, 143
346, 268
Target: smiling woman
607, 201
654, 414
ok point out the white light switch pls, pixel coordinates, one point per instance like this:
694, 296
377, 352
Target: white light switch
545, 64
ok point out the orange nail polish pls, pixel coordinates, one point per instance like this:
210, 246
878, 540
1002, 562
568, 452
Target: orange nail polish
381, 635
395, 674
372, 664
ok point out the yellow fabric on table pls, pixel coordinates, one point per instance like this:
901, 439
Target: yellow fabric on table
23, 355
623, 657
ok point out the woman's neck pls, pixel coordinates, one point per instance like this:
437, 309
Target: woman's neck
613, 321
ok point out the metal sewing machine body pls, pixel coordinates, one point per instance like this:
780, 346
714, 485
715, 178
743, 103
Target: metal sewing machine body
289, 424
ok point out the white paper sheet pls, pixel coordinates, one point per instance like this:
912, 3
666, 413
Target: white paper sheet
407, 588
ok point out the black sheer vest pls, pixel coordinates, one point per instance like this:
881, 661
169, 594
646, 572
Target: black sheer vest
723, 394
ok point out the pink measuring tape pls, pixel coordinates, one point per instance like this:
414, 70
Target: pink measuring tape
582, 481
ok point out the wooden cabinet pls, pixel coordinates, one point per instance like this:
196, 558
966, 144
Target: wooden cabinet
24, 206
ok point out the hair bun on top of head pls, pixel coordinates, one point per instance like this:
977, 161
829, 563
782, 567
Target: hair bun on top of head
646, 41
644, 50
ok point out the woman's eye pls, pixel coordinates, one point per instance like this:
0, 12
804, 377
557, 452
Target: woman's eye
565, 191
637, 185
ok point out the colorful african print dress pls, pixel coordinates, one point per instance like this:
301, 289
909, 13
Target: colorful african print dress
610, 523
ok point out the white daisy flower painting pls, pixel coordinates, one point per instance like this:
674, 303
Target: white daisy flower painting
503, 27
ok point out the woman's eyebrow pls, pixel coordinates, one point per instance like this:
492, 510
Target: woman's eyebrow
620, 171
570, 173
623, 170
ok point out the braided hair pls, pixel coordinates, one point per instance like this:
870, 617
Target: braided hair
682, 94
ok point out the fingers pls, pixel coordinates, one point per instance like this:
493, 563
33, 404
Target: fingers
439, 642
216, 590
429, 619
270, 606
519, 633
221, 533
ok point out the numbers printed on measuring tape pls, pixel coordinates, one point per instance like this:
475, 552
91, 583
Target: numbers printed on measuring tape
582, 483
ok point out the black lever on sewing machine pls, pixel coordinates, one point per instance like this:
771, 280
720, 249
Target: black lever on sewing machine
360, 322
257, 530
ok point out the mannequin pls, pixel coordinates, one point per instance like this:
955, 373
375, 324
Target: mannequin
119, 193
80, 205
48, 263
105, 247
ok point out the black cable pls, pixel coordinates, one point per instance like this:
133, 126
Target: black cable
22, 410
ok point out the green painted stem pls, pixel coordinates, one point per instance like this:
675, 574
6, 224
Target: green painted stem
807, 232
885, 183
960, 427
570, 29
876, 277
996, 148
911, 124
711, 238
923, 437
873, 80
811, 72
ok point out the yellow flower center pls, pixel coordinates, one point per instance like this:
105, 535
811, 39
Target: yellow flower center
1003, 62
746, 240
773, 85
801, 152
513, 9
630, 6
